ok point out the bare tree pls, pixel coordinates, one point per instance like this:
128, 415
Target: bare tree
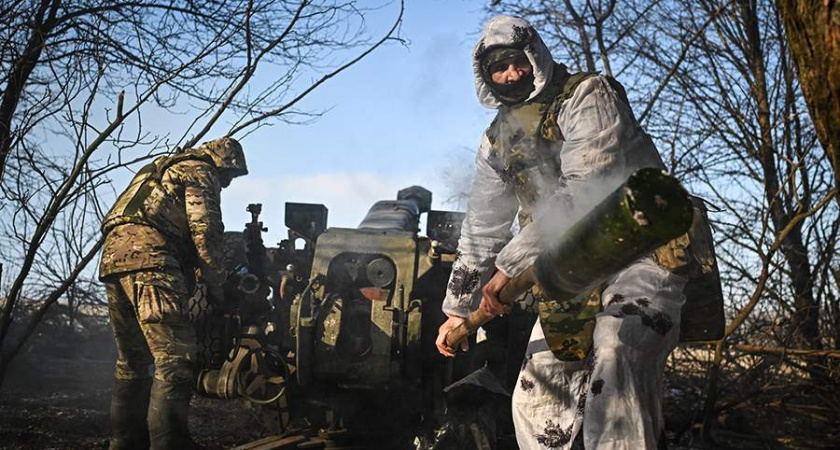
745, 94
80, 77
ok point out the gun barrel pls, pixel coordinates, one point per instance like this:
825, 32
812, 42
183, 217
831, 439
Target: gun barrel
648, 210
402, 214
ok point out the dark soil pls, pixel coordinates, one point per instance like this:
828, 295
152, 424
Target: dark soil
57, 396
57, 393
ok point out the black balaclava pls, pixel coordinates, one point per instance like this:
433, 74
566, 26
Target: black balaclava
509, 94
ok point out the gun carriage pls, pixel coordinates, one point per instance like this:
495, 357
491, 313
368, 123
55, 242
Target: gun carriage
334, 329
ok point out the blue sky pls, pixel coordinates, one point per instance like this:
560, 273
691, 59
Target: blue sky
404, 115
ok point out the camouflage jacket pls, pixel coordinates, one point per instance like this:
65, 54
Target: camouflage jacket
595, 144
171, 221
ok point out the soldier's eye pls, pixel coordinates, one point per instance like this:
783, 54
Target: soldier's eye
522, 61
498, 67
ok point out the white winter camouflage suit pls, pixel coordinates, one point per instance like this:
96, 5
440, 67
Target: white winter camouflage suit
614, 394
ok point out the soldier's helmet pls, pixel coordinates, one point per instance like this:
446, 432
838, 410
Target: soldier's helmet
227, 155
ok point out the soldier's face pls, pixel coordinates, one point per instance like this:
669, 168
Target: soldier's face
510, 70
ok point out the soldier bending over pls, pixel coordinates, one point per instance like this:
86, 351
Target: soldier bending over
166, 224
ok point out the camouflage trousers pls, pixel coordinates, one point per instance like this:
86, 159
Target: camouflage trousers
613, 397
150, 319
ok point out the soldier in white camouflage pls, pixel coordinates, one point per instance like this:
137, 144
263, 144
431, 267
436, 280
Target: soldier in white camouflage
593, 368
165, 228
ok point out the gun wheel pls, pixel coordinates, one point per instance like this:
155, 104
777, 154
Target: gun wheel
261, 380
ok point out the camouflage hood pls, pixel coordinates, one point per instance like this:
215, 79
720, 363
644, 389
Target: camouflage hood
513, 32
226, 154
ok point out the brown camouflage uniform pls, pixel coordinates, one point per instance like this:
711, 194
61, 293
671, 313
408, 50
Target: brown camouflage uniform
162, 230
148, 268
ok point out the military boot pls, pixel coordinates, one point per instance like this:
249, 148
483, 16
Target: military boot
129, 403
168, 416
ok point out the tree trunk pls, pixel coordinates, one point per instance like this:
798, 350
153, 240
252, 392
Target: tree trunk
580, 25
805, 325
805, 319
813, 30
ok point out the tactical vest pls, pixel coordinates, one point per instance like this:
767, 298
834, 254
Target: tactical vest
525, 142
147, 202
525, 146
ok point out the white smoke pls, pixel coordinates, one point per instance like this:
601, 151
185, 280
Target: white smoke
554, 217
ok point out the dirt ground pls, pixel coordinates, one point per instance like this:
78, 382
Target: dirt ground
57, 395
63, 412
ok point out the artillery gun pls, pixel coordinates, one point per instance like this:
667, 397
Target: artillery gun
334, 329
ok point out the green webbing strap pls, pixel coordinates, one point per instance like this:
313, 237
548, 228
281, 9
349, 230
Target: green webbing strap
136, 203
572, 83
548, 127
618, 88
